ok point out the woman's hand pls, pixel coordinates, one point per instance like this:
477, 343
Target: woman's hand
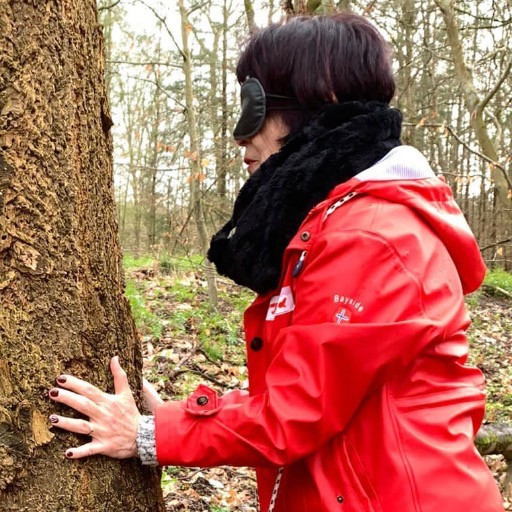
113, 419
150, 396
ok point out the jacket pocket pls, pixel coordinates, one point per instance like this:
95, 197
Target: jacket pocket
356, 479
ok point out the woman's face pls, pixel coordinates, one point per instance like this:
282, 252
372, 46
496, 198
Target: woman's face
265, 143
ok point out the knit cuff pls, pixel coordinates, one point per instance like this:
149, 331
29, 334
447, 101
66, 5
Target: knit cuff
146, 441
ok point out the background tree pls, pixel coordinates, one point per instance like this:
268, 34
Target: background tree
195, 157
470, 150
61, 285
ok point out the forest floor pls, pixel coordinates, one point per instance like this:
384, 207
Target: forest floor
186, 343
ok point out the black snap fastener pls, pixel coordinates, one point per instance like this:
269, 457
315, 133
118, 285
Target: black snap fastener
256, 344
305, 236
202, 400
340, 498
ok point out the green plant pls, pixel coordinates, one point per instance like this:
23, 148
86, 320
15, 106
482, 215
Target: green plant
146, 321
130, 261
212, 349
183, 292
499, 278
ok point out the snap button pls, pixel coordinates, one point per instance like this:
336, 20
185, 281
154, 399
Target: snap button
202, 400
305, 236
256, 344
340, 498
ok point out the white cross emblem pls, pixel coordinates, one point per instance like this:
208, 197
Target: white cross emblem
341, 317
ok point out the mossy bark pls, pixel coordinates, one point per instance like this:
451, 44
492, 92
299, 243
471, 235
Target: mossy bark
61, 287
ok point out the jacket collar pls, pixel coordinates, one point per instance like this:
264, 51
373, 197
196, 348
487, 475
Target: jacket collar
344, 140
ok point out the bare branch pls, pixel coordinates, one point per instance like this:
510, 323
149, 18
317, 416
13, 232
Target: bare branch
481, 106
452, 132
196, 7
498, 289
200, 41
502, 23
107, 7
164, 23
150, 63
501, 242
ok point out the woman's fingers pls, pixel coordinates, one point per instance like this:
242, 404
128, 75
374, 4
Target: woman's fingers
121, 384
86, 450
71, 424
81, 387
150, 396
115, 417
80, 403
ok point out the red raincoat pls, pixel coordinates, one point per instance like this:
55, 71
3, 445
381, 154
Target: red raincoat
358, 386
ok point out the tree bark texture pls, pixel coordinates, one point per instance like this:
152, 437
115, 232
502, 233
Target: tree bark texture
62, 308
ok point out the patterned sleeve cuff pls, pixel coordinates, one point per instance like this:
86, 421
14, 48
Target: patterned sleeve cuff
146, 441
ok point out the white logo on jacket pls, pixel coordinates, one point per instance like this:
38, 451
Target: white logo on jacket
281, 304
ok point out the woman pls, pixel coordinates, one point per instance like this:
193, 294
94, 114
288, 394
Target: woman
360, 399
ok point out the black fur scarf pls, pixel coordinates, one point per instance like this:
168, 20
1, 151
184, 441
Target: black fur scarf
343, 140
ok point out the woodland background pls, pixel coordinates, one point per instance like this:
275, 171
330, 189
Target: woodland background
175, 183
177, 175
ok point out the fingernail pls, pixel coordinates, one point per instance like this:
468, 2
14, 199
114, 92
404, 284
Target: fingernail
69, 454
61, 380
54, 393
53, 419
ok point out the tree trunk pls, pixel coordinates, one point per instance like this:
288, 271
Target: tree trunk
61, 286
344, 5
195, 158
249, 12
474, 104
223, 176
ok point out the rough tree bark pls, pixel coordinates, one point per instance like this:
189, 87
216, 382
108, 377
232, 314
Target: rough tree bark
61, 286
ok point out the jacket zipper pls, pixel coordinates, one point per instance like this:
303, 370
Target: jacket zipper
275, 490
339, 203
299, 264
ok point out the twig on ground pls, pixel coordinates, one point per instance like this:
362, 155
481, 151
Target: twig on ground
497, 289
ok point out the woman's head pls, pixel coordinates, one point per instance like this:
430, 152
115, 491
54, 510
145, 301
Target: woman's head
318, 60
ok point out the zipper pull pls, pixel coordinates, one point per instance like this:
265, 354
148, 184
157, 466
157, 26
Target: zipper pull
300, 263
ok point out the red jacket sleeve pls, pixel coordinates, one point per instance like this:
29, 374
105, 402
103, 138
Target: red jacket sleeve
321, 370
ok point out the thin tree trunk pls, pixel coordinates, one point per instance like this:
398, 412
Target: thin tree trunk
344, 5
222, 177
288, 7
408, 20
271, 11
195, 163
61, 286
249, 12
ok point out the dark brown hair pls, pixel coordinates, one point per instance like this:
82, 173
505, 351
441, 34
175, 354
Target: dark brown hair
319, 60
